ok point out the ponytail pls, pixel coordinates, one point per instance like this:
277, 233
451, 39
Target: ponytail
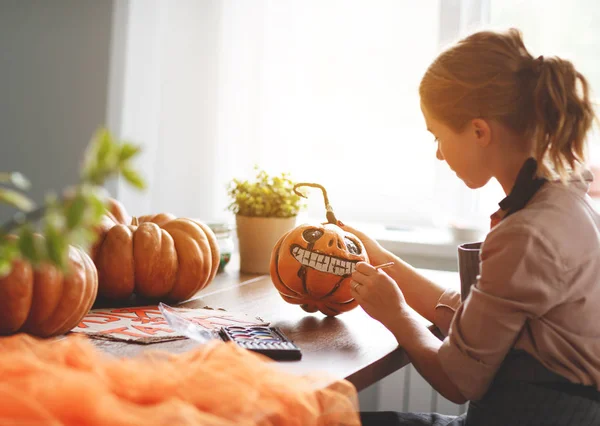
562, 116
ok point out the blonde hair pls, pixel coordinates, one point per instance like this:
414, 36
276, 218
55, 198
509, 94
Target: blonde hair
492, 75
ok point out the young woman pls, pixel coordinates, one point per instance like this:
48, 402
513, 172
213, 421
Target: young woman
524, 346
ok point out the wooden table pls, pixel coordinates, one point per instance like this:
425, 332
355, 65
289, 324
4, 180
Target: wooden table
351, 345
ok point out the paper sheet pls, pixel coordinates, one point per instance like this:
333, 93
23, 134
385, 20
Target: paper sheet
146, 324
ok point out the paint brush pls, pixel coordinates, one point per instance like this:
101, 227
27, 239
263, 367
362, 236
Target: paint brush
384, 265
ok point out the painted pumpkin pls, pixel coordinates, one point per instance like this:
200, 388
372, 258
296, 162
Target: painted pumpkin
44, 302
311, 265
156, 257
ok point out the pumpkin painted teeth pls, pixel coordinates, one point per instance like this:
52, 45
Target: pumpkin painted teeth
323, 262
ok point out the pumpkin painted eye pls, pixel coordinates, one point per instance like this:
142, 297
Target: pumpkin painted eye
312, 235
352, 246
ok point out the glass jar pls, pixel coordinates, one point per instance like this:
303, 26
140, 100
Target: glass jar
225, 240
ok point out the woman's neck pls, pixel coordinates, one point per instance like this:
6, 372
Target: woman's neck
507, 173
510, 151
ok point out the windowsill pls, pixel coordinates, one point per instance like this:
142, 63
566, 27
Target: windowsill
433, 248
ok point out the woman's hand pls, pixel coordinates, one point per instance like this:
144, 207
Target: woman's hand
378, 294
377, 254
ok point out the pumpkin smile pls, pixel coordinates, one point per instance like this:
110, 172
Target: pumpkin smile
322, 262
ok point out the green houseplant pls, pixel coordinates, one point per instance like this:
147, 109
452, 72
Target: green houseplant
265, 208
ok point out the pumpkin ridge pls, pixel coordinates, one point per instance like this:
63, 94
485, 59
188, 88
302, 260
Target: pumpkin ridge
200, 253
24, 271
112, 254
150, 270
201, 246
178, 273
30, 325
133, 256
335, 311
215, 253
47, 274
335, 287
302, 276
98, 243
347, 302
84, 292
91, 269
277, 270
174, 279
61, 307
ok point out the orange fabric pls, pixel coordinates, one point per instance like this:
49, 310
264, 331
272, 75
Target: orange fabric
70, 382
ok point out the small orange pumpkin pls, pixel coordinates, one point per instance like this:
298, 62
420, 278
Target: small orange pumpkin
157, 256
311, 265
44, 302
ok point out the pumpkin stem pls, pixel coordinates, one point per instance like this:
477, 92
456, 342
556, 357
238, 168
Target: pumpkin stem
330, 215
134, 221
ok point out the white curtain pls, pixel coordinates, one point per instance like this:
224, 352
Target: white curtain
326, 90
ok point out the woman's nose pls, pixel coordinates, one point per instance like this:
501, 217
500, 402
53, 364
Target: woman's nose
439, 154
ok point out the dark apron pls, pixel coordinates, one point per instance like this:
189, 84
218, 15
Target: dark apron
523, 393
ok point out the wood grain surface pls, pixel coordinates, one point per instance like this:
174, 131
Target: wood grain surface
351, 345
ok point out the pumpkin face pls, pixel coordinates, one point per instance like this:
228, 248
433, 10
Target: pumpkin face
311, 266
44, 302
156, 257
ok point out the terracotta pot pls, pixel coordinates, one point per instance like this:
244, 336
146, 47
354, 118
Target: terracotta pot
256, 238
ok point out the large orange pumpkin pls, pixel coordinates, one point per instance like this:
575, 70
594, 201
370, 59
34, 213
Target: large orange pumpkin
44, 302
311, 265
157, 257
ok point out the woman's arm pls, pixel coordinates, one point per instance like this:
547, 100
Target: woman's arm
420, 293
381, 298
422, 349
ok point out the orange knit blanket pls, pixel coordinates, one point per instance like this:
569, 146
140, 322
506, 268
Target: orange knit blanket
70, 382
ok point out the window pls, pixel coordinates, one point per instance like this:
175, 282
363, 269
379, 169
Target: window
332, 92
325, 90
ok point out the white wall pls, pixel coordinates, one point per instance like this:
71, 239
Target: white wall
54, 58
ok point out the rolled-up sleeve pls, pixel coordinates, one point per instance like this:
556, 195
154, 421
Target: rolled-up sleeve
518, 280
445, 308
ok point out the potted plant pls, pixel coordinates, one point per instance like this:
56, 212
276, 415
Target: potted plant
265, 208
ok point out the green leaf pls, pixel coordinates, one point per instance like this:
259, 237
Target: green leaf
16, 199
27, 246
133, 177
8, 253
83, 238
105, 147
57, 247
20, 181
127, 152
16, 178
75, 212
101, 158
5, 267
97, 206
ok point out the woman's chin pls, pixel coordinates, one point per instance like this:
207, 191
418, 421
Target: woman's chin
471, 184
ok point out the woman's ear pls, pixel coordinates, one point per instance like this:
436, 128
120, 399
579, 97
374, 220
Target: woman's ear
482, 132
